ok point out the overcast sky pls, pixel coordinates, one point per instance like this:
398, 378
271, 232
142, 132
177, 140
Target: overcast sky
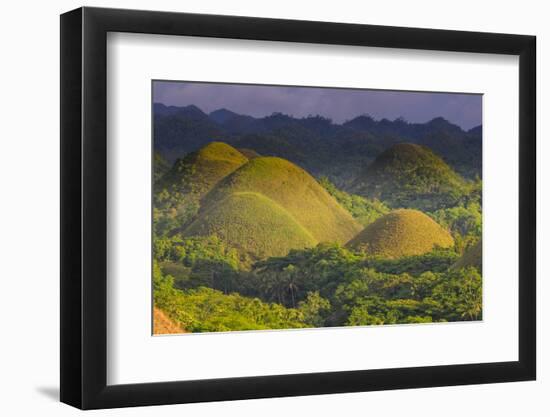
337, 104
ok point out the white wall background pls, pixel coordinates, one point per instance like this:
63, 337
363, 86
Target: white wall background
29, 225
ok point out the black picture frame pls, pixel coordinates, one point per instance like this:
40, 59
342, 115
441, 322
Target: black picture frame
84, 207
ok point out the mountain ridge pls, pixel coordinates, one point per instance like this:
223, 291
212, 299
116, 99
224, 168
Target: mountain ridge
322, 146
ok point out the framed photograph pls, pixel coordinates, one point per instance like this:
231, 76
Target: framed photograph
258, 208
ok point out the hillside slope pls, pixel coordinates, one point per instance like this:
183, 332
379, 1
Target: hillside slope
162, 324
199, 171
249, 153
293, 189
410, 175
253, 224
472, 257
160, 166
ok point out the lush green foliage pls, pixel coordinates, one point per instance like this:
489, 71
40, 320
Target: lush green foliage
364, 210
439, 260
311, 293
464, 222
207, 310
370, 291
199, 261
160, 166
431, 297
236, 246
322, 286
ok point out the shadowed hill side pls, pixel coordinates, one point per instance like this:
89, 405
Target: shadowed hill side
180, 130
472, 257
199, 171
160, 166
410, 175
249, 153
401, 233
253, 224
294, 190
315, 143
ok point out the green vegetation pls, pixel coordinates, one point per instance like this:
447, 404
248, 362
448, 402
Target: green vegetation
294, 190
410, 175
160, 166
208, 310
363, 210
246, 242
322, 286
360, 294
401, 233
463, 221
438, 260
451, 297
199, 261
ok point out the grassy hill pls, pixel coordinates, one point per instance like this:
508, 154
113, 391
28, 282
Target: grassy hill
199, 171
472, 257
401, 233
293, 189
410, 175
254, 224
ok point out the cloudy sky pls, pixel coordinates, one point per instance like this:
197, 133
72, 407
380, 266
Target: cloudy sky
337, 104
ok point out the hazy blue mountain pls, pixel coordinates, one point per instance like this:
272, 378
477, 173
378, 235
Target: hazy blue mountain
180, 130
222, 115
478, 130
236, 123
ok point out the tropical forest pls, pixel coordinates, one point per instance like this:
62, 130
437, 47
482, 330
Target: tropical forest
285, 222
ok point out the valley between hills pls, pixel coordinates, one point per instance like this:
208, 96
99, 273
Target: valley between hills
280, 223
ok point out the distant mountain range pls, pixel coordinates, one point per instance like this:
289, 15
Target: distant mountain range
324, 148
